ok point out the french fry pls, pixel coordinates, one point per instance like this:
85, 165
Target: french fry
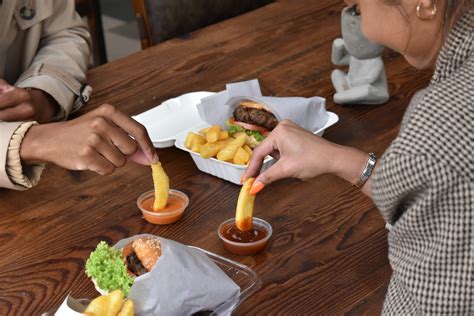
106, 305
213, 134
211, 149
110, 305
228, 152
204, 131
223, 135
161, 183
248, 149
244, 211
99, 306
214, 142
241, 157
127, 309
196, 148
193, 139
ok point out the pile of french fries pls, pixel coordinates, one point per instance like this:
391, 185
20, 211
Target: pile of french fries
110, 305
213, 142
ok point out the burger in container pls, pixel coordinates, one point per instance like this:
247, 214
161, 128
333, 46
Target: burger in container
162, 277
241, 108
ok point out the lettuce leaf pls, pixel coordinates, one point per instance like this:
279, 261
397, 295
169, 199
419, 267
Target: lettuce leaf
105, 265
258, 137
232, 129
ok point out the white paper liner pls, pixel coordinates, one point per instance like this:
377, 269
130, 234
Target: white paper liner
309, 113
184, 281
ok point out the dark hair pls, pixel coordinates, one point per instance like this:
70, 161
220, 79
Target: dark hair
454, 10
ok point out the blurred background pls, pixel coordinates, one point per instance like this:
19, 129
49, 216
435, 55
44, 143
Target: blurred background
122, 27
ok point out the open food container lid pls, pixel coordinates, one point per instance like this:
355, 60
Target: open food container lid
172, 117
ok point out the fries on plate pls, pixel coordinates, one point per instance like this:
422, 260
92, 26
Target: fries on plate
213, 142
110, 305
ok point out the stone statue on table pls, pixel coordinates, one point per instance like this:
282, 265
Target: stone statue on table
365, 82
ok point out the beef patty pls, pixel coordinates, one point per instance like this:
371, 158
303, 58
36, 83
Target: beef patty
134, 264
253, 116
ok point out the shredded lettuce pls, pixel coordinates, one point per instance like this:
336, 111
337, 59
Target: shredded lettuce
258, 137
105, 265
232, 129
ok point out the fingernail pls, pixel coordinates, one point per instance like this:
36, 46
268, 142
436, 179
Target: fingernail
256, 187
242, 178
155, 158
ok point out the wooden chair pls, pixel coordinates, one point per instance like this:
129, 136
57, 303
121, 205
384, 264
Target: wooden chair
91, 10
159, 20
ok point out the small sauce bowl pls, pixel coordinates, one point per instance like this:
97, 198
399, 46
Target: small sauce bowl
173, 212
245, 248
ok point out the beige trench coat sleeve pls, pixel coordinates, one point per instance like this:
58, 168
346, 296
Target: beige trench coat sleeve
60, 64
12, 174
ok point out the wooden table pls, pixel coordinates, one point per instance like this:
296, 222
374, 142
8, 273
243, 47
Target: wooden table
328, 254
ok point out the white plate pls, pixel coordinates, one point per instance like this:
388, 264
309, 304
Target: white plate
166, 121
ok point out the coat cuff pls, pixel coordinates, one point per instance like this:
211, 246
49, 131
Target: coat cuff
23, 177
63, 96
65, 89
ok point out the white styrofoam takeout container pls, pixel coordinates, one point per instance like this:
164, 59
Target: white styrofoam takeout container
164, 122
170, 123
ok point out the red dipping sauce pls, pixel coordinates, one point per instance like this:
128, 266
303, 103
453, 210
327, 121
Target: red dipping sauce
232, 233
247, 242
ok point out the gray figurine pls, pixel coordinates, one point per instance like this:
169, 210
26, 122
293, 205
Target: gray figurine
366, 82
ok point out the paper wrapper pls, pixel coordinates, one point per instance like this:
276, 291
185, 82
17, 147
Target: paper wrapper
309, 113
184, 281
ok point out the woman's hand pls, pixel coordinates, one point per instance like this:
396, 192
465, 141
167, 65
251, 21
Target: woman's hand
100, 141
17, 104
302, 155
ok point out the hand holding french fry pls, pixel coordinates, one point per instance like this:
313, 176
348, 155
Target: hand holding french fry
245, 203
162, 186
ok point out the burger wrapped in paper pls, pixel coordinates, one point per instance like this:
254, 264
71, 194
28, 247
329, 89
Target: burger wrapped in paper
243, 108
162, 277
253, 118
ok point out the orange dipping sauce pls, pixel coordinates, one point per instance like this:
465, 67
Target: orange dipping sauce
173, 212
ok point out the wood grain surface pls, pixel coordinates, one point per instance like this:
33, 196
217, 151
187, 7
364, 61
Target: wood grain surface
328, 254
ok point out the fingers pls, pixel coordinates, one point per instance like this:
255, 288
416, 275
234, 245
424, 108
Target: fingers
100, 165
107, 150
139, 157
114, 135
22, 112
5, 86
272, 174
260, 152
133, 128
14, 98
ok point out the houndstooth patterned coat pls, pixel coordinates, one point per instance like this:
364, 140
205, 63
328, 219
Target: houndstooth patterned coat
424, 187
